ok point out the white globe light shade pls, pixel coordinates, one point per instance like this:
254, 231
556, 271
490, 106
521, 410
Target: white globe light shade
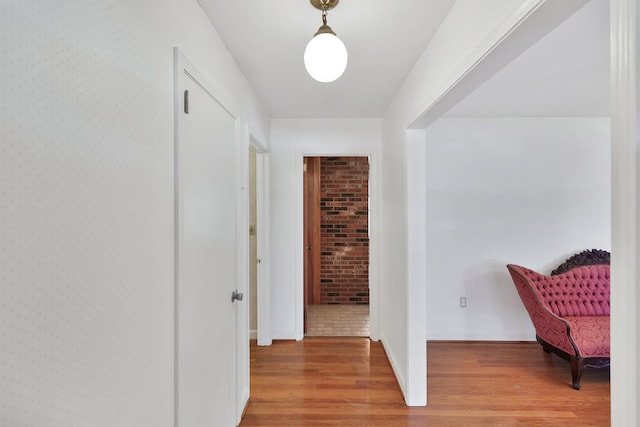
325, 57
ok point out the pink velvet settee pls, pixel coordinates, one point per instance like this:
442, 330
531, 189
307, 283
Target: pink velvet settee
570, 313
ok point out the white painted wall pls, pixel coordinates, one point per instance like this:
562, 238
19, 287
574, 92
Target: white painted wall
86, 195
470, 31
393, 260
290, 141
528, 191
416, 266
636, 54
634, 330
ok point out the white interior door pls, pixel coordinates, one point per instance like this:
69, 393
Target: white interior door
262, 241
206, 259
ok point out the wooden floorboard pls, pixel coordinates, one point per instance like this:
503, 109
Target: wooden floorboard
349, 382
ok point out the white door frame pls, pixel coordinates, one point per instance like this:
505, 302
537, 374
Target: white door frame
625, 233
415, 388
182, 66
373, 234
242, 285
263, 241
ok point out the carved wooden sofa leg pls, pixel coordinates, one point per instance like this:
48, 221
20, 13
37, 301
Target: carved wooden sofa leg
577, 367
577, 363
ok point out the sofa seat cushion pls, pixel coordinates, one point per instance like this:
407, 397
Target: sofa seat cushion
591, 335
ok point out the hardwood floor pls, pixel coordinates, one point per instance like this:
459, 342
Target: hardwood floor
349, 382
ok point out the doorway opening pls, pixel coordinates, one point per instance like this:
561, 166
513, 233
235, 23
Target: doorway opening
253, 244
336, 242
258, 238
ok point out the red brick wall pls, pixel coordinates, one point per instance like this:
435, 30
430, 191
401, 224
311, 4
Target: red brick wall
344, 235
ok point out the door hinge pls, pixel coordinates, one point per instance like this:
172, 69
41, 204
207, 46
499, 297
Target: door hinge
236, 296
186, 102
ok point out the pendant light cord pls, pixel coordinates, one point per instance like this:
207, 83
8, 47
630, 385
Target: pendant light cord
325, 7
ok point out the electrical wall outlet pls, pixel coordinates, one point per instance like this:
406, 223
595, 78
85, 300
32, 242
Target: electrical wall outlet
463, 302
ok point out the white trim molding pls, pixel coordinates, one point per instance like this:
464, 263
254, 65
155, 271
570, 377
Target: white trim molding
624, 233
373, 234
416, 241
528, 22
263, 334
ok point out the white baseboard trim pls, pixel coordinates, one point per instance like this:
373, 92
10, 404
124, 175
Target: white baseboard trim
242, 407
447, 336
396, 370
284, 334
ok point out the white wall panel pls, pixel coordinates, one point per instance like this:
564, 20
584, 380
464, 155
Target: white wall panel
290, 141
416, 181
458, 59
625, 376
523, 191
86, 195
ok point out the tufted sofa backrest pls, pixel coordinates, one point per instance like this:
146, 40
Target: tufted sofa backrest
581, 291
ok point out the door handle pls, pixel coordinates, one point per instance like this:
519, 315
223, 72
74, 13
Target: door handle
236, 296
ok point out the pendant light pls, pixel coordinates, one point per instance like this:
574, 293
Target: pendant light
325, 57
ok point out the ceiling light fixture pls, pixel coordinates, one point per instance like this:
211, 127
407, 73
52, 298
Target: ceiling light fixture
325, 57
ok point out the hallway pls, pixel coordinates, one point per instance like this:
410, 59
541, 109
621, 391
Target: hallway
338, 320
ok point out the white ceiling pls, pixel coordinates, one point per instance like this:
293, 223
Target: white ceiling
384, 40
564, 74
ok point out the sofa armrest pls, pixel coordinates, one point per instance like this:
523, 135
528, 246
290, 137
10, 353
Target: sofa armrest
555, 331
591, 335
549, 327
